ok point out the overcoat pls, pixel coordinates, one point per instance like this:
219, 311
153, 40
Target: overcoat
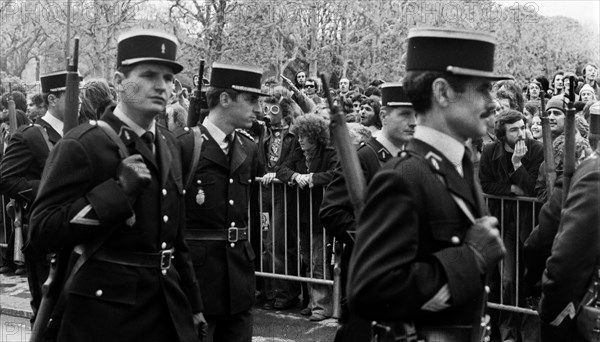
79, 199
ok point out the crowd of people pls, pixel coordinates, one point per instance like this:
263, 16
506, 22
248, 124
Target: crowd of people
278, 130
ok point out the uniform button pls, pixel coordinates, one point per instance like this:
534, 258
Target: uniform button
233, 224
186, 129
198, 182
455, 240
230, 180
99, 293
164, 272
249, 180
163, 245
164, 192
184, 191
230, 202
166, 218
232, 244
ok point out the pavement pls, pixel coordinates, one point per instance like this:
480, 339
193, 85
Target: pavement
269, 326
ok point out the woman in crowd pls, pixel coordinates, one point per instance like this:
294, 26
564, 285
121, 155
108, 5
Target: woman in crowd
311, 168
536, 128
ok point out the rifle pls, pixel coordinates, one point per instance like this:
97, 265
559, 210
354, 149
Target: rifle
18, 256
549, 166
197, 101
71, 117
12, 111
52, 287
355, 182
569, 147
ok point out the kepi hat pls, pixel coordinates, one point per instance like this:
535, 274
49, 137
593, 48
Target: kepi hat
152, 46
392, 95
456, 51
237, 77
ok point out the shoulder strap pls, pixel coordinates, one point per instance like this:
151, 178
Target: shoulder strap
45, 136
123, 152
198, 140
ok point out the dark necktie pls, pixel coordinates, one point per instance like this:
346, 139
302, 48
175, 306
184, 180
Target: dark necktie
148, 139
467, 166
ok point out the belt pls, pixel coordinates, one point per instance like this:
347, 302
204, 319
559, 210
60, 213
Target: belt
452, 333
160, 260
231, 234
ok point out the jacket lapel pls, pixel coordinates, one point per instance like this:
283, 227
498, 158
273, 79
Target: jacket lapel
443, 167
53, 135
164, 157
238, 154
211, 149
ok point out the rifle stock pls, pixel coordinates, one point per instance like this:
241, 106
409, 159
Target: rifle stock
569, 146
196, 100
51, 291
549, 167
355, 182
71, 117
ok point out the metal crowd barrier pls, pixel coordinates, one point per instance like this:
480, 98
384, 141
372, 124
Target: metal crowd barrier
517, 216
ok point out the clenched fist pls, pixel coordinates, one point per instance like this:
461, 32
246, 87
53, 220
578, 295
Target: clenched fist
133, 176
484, 239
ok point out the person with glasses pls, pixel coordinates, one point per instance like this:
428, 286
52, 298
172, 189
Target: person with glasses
311, 89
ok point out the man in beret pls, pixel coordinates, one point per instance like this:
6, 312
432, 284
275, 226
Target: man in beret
22, 165
112, 193
398, 119
424, 244
217, 201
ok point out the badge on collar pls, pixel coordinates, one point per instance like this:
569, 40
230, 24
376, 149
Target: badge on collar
383, 153
434, 159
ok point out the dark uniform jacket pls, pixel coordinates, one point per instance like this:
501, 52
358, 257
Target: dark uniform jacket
497, 175
79, 199
24, 160
337, 214
410, 242
575, 255
225, 271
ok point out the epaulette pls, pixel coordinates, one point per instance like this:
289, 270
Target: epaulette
82, 129
245, 134
182, 131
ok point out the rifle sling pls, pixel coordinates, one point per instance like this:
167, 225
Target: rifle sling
45, 136
198, 140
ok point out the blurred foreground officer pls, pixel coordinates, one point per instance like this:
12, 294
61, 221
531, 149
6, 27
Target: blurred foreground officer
22, 167
217, 201
423, 244
139, 285
337, 215
575, 252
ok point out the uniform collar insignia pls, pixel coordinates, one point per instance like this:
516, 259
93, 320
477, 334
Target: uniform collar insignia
434, 159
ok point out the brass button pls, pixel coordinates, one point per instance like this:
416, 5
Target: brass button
99, 293
231, 202
186, 129
184, 191
198, 182
163, 245
230, 180
166, 218
455, 240
233, 224
164, 272
232, 245
164, 192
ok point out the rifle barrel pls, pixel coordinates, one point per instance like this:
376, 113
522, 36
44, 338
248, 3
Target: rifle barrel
71, 116
355, 182
549, 166
569, 146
